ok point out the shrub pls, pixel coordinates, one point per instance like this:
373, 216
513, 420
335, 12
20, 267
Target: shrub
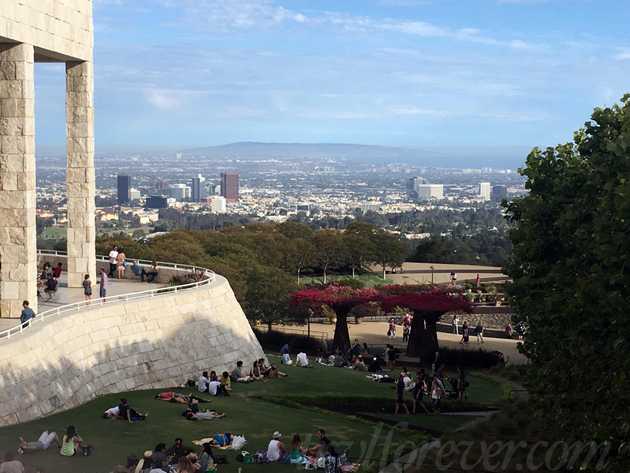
475, 359
273, 341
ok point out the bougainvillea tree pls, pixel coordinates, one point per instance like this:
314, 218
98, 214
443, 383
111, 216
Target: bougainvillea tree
428, 306
342, 300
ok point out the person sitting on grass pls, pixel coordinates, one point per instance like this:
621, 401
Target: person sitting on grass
145, 463
11, 465
226, 383
275, 373
177, 452
286, 357
276, 453
206, 458
359, 364
44, 442
70, 443
255, 373
203, 382
158, 457
126, 412
238, 374
302, 360
186, 465
264, 369
323, 446
297, 453
112, 413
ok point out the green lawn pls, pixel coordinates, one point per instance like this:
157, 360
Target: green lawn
250, 411
369, 279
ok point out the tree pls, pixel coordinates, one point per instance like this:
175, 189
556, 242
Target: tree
267, 294
571, 278
299, 254
428, 306
359, 247
328, 250
388, 250
341, 299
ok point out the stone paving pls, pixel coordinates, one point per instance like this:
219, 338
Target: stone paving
66, 295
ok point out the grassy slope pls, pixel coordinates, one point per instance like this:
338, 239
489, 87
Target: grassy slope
257, 419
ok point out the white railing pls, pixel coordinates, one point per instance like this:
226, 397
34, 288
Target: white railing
206, 277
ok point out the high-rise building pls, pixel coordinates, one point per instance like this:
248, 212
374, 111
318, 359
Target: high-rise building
195, 185
412, 186
124, 184
485, 189
499, 193
230, 185
180, 192
134, 194
156, 202
430, 191
217, 204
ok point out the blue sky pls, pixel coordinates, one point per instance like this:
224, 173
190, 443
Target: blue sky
396, 72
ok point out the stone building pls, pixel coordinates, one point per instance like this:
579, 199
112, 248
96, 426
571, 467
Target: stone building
43, 31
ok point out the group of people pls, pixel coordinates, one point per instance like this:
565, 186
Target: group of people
69, 445
477, 331
301, 358
177, 459
427, 392
296, 452
406, 325
48, 280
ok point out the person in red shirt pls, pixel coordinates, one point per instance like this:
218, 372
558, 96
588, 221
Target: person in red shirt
57, 271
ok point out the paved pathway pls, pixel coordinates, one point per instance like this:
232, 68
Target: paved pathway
66, 295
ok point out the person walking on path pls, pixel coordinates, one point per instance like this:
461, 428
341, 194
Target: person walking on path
87, 287
103, 282
465, 334
27, 314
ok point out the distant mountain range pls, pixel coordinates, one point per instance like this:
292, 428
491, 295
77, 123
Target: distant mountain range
487, 156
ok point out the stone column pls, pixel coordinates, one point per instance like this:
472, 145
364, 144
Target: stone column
80, 180
18, 243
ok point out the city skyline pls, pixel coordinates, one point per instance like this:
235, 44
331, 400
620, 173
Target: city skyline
390, 72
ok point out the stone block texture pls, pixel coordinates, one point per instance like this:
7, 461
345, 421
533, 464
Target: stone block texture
18, 253
152, 343
60, 29
80, 179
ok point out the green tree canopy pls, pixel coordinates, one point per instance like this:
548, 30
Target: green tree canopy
571, 272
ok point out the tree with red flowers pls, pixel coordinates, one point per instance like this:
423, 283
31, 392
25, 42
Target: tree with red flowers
428, 306
341, 299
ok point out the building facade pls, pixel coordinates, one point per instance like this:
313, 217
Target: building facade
499, 193
43, 31
230, 185
485, 191
430, 191
123, 187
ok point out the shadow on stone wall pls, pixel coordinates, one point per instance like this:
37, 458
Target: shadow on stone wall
69, 371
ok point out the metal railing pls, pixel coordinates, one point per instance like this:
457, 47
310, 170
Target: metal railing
207, 276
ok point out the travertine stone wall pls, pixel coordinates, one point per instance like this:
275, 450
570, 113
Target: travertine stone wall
18, 253
80, 178
61, 27
143, 344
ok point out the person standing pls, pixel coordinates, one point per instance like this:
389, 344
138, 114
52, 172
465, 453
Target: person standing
113, 255
103, 282
120, 264
479, 332
456, 325
87, 287
400, 394
465, 333
27, 314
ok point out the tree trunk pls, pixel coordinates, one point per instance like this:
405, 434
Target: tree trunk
423, 341
342, 334
298, 274
353, 276
384, 270
269, 326
325, 279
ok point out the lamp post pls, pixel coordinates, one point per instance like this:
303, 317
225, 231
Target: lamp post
432, 270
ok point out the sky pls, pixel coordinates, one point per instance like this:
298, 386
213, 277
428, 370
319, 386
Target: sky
457, 73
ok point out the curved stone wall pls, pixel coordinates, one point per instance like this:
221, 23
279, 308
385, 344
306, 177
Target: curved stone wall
149, 343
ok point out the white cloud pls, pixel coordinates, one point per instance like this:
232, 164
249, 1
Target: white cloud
169, 99
622, 55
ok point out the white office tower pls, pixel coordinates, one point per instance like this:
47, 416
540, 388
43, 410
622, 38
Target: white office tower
485, 191
217, 204
134, 194
430, 191
180, 192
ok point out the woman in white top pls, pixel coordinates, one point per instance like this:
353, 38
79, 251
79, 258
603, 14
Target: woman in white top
275, 450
